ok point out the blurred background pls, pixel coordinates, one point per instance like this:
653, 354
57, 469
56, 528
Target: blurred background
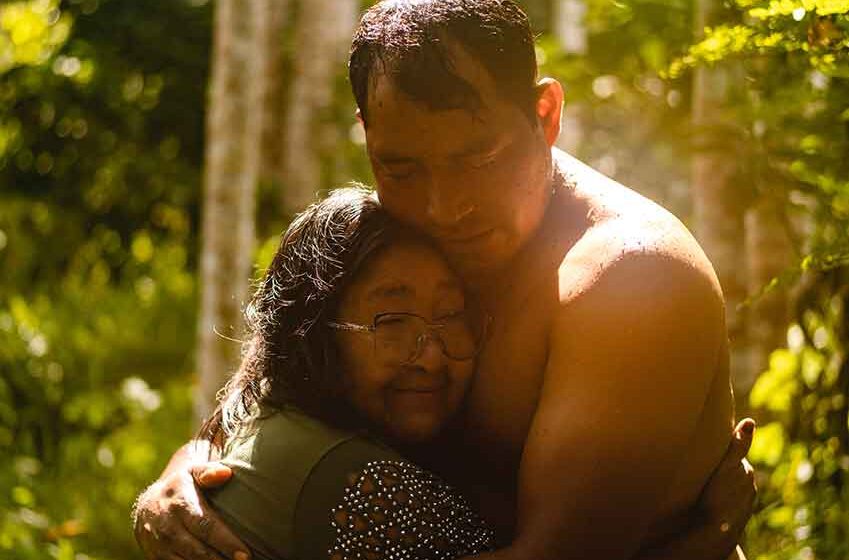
151, 153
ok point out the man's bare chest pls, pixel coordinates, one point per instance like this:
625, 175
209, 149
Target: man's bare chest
504, 394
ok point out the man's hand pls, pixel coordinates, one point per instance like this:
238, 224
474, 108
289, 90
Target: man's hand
173, 521
729, 496
724, 508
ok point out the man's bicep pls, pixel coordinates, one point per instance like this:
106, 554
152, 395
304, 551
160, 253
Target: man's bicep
630, 365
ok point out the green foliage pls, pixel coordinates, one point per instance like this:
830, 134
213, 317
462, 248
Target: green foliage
101, 140
31, 33
794, 57
628, 43
792, 117
788, 64
814, 29
803, 454
101, 129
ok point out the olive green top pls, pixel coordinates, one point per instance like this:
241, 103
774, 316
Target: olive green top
289, 472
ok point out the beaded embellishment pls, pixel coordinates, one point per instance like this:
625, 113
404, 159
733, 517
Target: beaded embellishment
395, 510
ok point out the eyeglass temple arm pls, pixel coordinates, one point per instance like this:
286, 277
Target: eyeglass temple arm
350, 327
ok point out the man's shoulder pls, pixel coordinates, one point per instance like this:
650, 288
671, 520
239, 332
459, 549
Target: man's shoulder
627, 238
636, 282
617, 216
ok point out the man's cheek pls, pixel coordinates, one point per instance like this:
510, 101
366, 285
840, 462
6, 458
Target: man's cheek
409, 211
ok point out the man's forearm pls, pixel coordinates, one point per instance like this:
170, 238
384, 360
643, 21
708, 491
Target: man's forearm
703, 543
686, 553
182, 459
191, 452
179, 461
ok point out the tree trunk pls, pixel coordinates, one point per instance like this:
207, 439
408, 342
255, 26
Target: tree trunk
270, 18
323, 37
717, 207
572, 35
234, 132
769, 252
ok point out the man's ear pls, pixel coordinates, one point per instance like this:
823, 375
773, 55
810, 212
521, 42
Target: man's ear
549, 108
359, 115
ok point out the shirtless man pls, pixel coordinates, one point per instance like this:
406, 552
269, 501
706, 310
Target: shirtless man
602, 397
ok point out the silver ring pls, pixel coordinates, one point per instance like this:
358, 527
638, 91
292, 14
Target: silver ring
205, 527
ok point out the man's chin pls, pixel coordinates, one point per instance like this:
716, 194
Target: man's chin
475, 272
478, 265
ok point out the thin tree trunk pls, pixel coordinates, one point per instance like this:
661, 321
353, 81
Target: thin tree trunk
572, 34
271, 17
231, 171
323, 37
769, 252
717, 212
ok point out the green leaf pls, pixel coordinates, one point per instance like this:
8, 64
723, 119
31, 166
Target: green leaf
768, 445
23, 496
776, 388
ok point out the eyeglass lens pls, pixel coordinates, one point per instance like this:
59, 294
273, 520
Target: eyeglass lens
399, 338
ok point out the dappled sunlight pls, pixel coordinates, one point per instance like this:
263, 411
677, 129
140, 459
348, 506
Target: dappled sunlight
106, 143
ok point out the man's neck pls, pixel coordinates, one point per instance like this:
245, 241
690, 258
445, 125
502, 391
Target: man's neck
564, 218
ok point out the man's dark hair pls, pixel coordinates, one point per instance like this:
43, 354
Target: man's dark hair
410, 42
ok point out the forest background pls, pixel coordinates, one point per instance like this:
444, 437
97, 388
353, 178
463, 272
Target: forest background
128, 128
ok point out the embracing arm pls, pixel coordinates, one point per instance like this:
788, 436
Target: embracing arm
724, 508
171, 517
632, 359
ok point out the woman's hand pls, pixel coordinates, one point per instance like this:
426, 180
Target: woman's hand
172, 520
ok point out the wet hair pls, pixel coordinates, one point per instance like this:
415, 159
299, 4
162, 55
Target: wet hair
289, 356
410, 41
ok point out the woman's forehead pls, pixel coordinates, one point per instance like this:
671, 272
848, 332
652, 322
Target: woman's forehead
403, 271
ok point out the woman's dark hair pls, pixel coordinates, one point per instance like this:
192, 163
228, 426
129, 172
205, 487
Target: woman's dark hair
289, 357
410, 40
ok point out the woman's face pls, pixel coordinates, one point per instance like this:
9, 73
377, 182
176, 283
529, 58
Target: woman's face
409, 401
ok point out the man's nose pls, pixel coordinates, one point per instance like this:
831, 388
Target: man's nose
447, 203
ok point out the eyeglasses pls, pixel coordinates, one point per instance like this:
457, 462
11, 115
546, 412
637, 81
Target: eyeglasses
400, 338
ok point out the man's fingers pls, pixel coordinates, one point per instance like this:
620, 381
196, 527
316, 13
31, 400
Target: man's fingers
211, 475
188, 547
740, 444
155, 541
178, 540
208, 528
750, 474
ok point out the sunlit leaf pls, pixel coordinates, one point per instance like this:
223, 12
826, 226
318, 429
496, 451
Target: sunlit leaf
768, 445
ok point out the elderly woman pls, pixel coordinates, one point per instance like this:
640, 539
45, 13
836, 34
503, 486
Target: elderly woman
361, 336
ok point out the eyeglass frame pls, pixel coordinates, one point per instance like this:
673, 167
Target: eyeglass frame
429, 333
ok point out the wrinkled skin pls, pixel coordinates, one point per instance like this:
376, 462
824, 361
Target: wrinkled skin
173, 520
